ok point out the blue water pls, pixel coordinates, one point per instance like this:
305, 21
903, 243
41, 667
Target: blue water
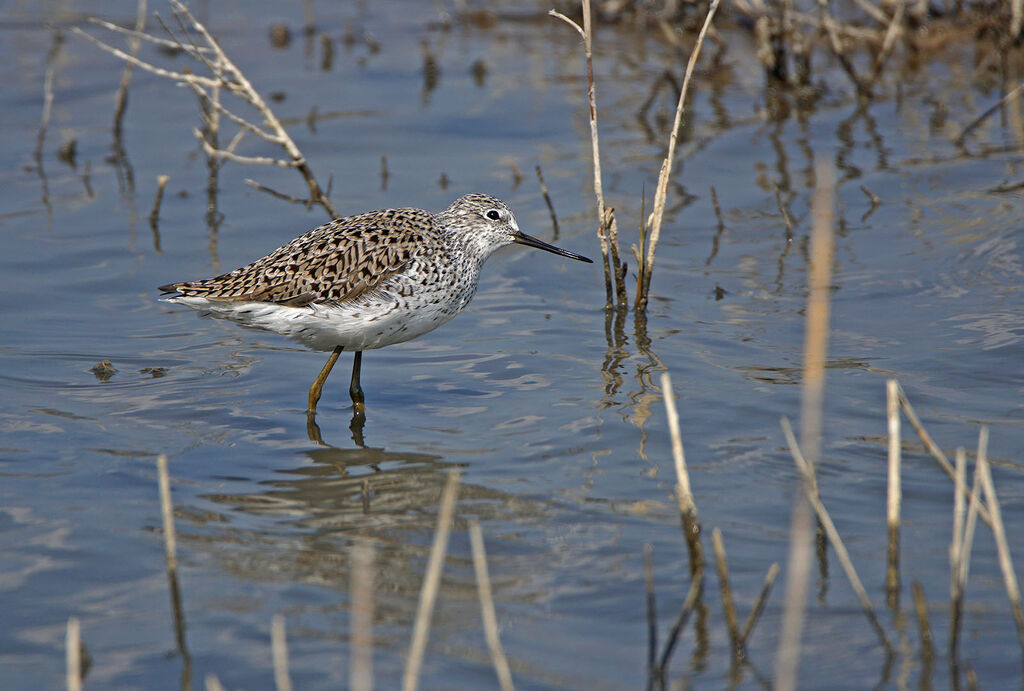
547, 406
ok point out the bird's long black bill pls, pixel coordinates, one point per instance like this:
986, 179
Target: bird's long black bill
530, 241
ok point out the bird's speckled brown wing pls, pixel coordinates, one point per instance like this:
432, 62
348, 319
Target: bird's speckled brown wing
336, 262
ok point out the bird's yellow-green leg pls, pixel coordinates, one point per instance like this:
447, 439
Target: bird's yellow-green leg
318, 385
354, 389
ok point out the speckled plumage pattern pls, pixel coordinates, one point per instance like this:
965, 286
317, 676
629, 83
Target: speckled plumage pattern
365, 281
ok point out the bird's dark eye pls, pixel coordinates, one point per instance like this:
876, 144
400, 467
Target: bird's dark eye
493, 215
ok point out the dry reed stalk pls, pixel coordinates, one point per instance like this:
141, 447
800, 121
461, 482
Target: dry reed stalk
73, 655
684, 496
213, 683
361, 603
934, 449
167, 514
225, 75
895, 493
646, 267
431, 584
608, 230
999, 531
833, 535
483, 582
815, 349
728, 606
279, 652
547, 199
960, 567
759, 603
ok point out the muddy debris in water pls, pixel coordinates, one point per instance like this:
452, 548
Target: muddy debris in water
104, 370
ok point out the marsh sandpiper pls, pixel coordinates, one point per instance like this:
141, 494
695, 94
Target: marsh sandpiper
364, 281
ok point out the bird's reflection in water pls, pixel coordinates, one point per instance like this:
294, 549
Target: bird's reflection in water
389, 499
355, 427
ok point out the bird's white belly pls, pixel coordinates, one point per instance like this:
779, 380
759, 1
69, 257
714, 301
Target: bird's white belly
381, 320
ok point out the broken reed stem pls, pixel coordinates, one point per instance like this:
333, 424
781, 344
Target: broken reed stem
892, 576
166, 512
684, 496
134, 41
825, 520
933, 448
759, 603
161, 182
73, 655
490, 619
652, 613
547, 199
661, 192
960, 568
279, 651
798, 566
728, 606
431, 584
999, 531
361, 605
607, 234
213, 683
